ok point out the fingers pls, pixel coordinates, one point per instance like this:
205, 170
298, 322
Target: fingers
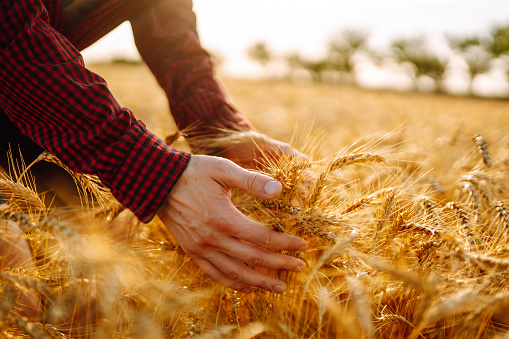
233, 273
258, 234
259, 185
219, 277
257, 257
246, 229
217, 236
278, 148
226, 265
288, 150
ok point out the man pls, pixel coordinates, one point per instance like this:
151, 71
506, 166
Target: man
59, 105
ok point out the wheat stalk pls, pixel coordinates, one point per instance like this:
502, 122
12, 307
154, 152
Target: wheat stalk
16, 193
86, 182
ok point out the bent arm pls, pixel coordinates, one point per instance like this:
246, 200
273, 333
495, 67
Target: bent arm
68, 110
166, 37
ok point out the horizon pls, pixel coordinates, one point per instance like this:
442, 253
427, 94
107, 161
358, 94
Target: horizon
385, 21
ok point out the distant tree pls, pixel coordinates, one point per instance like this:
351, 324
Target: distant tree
400, 50
479, 61
476, 53
433, 67
294, 62
126, 61
423, 61
464, 43
499, 41
498, 45
341, 50
260, 53
315, 68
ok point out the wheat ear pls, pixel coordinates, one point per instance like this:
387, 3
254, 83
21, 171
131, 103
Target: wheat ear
338, 163
482, 148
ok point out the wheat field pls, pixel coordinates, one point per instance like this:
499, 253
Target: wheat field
403, 202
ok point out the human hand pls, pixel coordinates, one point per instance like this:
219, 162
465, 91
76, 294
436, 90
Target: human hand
257, 153
219, 238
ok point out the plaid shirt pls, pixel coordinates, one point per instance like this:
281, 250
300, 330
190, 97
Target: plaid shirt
68, 110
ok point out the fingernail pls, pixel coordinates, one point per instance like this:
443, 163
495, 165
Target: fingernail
303, 246
279, 289
300, 266
246, 290
272, 187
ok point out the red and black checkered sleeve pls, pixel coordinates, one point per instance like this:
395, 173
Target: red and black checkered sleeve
46, 90
166, 36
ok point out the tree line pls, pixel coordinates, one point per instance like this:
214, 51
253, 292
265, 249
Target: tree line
341, 61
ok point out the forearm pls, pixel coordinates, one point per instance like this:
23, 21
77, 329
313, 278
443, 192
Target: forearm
53, 99
167, 39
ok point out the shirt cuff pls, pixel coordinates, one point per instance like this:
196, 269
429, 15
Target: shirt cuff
148, 173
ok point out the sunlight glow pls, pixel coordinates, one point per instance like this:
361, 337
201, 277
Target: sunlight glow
229, 27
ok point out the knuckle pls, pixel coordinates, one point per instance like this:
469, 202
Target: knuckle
266, 239
219, 221
256, 261
210, 217
207, 240
250, 181
223, 168
235, 275
223, 224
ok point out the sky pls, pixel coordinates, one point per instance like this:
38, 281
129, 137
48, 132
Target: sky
229, 27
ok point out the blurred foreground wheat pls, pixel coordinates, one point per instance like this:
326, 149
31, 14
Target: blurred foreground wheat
393, 253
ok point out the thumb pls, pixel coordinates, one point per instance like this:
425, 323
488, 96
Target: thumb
259, 185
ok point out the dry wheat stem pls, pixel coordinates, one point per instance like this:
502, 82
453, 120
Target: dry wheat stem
172, 138
386, 213
426, 271
86, 182
327, 256
18, 193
